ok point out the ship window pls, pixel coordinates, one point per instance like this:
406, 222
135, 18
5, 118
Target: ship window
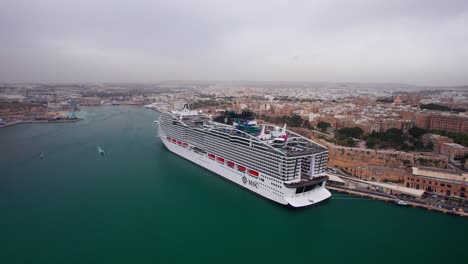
299, 190
309, 188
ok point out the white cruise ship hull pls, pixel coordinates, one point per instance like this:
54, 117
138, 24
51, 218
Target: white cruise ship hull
263, 184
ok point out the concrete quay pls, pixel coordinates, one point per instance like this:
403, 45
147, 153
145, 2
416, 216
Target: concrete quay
388, 198
41, 121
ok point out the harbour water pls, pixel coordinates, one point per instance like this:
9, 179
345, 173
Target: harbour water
139, 203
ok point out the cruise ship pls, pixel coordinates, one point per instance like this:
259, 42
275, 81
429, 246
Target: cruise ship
271, 161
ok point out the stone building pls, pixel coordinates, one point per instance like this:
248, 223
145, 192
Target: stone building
90, 100
453, 150
438, 181
449, 123
442, 122
423, 120
435, 140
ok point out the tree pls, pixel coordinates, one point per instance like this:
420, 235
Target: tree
350, 142
231, 116
370, 143
323, 125
247, 114
417, 132
394, 136
346, 132
295, 121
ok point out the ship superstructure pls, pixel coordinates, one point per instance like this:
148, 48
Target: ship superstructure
266, 159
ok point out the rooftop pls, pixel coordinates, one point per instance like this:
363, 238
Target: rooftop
440, 174
455, 145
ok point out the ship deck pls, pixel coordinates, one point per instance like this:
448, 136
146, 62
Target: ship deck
295, 145
306, 182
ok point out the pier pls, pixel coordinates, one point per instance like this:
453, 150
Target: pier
389, 198
41, 121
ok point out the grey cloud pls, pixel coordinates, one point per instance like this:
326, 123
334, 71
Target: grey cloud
420, 42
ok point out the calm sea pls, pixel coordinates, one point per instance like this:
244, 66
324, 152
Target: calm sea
141, 204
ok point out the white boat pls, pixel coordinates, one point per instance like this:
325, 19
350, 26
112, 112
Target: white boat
402, 203
100, 150
271, 161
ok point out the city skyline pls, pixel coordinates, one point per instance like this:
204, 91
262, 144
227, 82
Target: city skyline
413, 42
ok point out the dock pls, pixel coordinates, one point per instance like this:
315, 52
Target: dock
41, 121
388, 198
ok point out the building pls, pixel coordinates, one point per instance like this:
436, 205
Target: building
90, 100
449, 123
453, 150
423, 120
407, 100
435, 140
397, 100
438, 181
442, 122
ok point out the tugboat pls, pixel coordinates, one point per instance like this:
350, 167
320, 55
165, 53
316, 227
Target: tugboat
100, 150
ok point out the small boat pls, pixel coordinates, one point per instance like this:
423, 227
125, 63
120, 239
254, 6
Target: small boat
155, 121
402, 203
100, 150
42, 155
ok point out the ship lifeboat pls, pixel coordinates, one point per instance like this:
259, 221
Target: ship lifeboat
253, 173
241, 168
220, 160
230, 164
179, 142
173, 140
169, 138
211, 156
184, 145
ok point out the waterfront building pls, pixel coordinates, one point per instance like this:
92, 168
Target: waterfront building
438, 181
95, 100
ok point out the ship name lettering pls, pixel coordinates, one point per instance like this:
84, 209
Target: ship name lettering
253, 183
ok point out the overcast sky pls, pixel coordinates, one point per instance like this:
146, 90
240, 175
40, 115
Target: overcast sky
417, 42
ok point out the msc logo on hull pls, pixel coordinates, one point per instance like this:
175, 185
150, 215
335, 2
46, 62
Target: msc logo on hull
250, 182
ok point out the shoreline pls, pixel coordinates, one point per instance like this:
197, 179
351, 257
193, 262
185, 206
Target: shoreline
389, 199
41, 121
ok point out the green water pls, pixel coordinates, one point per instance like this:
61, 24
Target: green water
141, 204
